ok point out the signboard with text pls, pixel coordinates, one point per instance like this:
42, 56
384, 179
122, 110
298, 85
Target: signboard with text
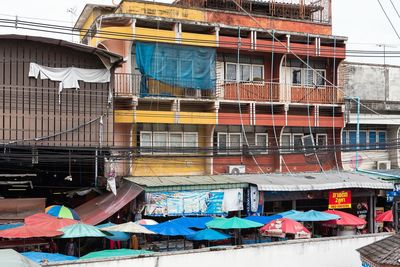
340, 199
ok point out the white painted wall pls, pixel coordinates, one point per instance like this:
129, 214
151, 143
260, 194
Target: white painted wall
367, 159
326, 252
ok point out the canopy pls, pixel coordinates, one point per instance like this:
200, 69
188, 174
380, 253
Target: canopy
115, 253
102, 207
232, 223
81, 230
11, 258
146, 222
10, 225
115, 236
287, 213
208, 234
263, 219
128, 227
170, 228
48, 222
193, 222
283, 226
62, 212
41, 257
387, 216
28, 231
313, 216
346, 219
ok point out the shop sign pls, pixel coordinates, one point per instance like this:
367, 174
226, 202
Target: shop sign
340, 199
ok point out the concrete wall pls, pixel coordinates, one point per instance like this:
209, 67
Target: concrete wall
327, 252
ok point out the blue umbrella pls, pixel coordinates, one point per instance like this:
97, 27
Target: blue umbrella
208, 234
264, 219
41, 257
10, 225
289, 212
170, 228
313, 216
193, 222
115, 236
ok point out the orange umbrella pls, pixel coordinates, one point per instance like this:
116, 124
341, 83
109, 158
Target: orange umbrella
346, 219
48, 222
387, 216
29, 231
281, 227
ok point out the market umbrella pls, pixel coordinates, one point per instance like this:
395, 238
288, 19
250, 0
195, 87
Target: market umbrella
146, 222
62, 212
48, 222
114, 253
28, 231
281, 227
387, 216
129, 227
232, 223
313, 216
193, 222
287, 213
11, 258
41, 257
346, 219
208, 234
263, 219
115, 236
10, 225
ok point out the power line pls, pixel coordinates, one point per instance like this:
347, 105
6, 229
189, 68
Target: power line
391, 24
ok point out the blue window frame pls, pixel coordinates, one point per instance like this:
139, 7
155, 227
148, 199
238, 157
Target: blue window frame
372, 139
344, 139
352, 137
382, 140
363, 140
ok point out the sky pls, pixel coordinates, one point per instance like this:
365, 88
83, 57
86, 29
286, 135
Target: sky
362, 21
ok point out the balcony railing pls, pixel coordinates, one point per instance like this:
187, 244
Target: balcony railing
130, 84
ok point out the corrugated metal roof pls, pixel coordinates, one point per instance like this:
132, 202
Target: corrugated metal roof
313, 181
176, 183
385, 251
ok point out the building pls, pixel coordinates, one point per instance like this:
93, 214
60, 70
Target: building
382, 253
56, 122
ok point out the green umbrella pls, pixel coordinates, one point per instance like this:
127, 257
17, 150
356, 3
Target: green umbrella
232, 223
115, 253
81, 230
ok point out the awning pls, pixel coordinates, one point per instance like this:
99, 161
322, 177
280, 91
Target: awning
313, 181
16, 209
180, 183
104, 206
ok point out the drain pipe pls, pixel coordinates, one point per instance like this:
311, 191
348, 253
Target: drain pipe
357, 99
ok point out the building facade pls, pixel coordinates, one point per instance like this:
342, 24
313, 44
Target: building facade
207, 89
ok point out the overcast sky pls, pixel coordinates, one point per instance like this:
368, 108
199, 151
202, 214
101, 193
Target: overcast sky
362, 21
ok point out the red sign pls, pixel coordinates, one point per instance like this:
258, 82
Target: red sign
340, 199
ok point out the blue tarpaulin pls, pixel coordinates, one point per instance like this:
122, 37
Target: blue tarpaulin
170, 228
263, 219
193, 222
41, 257
176, 65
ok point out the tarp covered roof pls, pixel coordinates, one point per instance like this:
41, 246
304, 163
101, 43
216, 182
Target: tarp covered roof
313, 181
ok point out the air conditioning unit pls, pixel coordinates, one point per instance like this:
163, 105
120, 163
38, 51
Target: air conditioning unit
383, 165
237, 169
193, 93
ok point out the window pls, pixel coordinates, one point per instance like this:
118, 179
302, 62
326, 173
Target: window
344, 139
261, 142
312, 77
286, 142
352, 138
372, 140
231, 71
296, 76
308, 144
320, 78
175, 142
145, 142
161, 142
297, 142
222, 143
235, 142
322, 141
190, 141
382, 140
245, 73
309, 77
258, 72
363, 139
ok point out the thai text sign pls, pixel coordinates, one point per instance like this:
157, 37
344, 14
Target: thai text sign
340, 199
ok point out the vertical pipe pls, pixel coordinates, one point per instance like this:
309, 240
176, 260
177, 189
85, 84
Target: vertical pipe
358, 130
96, 163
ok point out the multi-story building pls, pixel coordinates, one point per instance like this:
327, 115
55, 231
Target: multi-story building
212, 87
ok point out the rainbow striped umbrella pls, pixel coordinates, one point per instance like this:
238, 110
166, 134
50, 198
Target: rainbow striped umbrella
62, 212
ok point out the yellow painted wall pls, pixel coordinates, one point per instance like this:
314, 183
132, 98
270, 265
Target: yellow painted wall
89, 21
155, 35
197, 118
152, 9
198, 39
150, 116
168, 166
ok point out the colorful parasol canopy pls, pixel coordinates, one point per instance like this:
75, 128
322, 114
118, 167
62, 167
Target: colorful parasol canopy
387, 216
193, 222
208, 234
42, 257
232, 223
10, 225
283, 226
128, 227
313, 216
115, 253
48, 222
11, 258
146, 222
170, 228
287, 213
115, 236
81, 230
263, 219
62, 212
346, 219
28, 231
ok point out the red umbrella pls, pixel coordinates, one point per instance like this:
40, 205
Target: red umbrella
346, 219
387, 216
48, 222
281, 227
28, 231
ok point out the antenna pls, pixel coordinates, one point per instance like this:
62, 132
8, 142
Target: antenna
72, 12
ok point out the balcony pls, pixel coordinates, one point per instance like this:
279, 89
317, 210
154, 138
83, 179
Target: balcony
128, 85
